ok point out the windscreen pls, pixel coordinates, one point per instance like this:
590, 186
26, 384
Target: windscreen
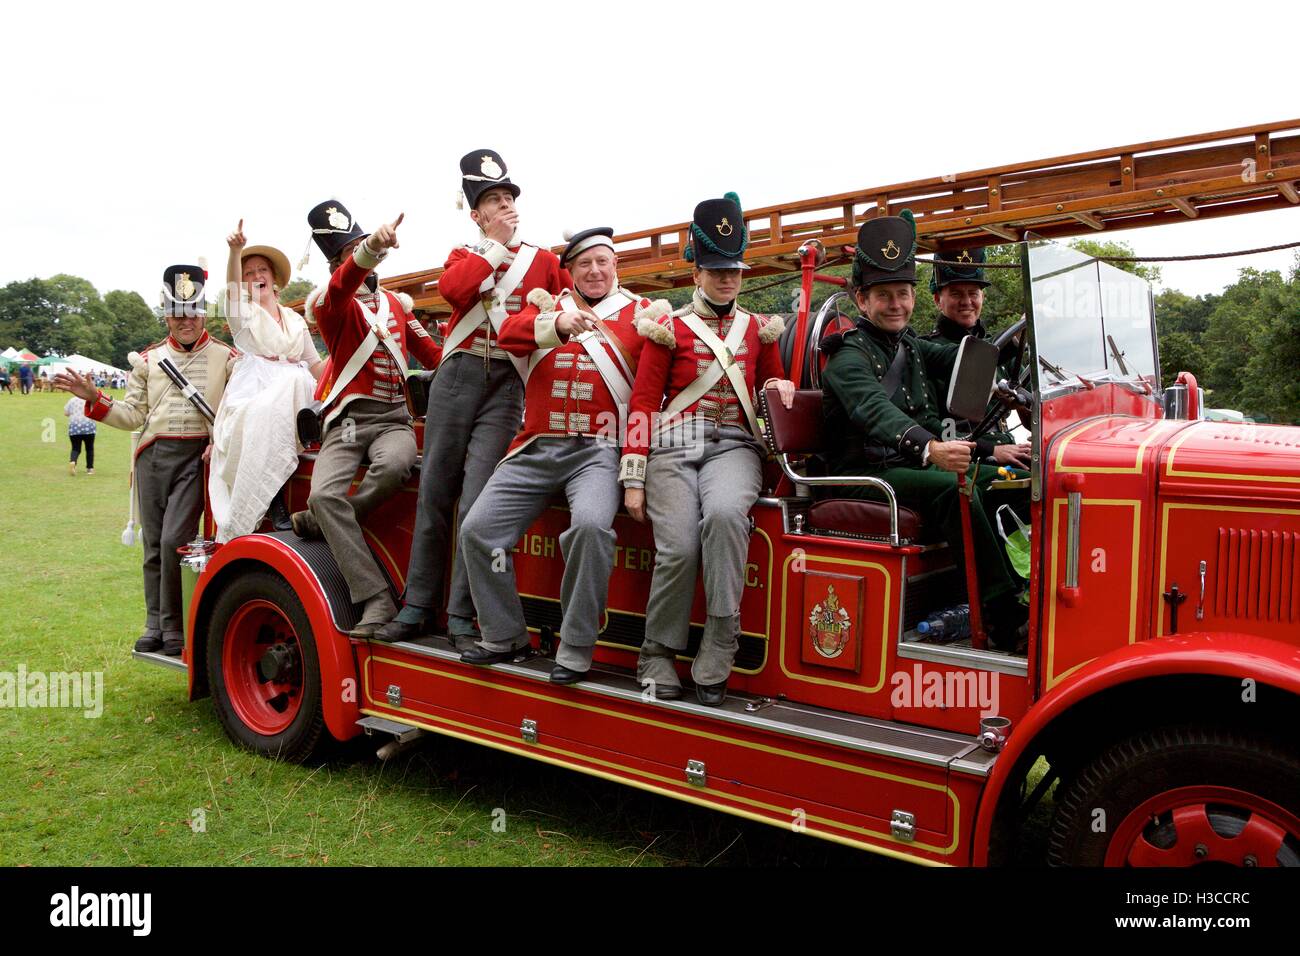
1090, 319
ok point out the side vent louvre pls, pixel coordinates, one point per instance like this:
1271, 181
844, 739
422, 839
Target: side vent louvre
1258, 575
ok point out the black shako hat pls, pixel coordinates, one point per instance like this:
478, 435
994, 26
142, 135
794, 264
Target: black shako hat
718, 234
886, 251
182, 291
481, 170
333, 227
580, 242
969, 268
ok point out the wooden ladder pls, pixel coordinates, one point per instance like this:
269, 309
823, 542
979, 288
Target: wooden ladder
1203, 176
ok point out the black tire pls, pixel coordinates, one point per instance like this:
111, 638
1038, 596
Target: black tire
251, 603
1246, 782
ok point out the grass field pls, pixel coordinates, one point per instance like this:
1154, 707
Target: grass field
124, 788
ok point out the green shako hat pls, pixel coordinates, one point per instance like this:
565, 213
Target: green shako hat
886, 251
969, 267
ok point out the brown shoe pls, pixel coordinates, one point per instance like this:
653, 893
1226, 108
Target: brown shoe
305, 525
377, 612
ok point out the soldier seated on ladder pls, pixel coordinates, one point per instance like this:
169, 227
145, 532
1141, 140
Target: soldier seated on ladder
478, 394
582, 354
369, 332
173, 442
704, 467
958, 285
880, 402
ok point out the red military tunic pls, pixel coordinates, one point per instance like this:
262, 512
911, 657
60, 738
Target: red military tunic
674, 357
472, 272
338, 313
566, 393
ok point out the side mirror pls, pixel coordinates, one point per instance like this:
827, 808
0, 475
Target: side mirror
972, 378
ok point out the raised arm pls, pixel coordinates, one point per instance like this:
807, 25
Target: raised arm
235, 278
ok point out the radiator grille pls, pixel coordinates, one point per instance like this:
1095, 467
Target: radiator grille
1258, 576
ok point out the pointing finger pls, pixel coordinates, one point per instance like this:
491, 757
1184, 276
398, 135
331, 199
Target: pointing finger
398, 221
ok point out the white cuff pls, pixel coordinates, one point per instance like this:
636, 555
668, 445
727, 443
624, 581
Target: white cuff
366, 257
632, 469
493, 251
925, 455
544, 331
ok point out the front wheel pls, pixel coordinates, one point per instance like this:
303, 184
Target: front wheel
1182, 797
264, 670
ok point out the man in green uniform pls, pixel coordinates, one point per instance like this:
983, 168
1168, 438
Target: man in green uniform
958, 285
880, 394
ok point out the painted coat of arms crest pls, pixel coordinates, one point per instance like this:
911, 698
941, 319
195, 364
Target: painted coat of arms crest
829, 625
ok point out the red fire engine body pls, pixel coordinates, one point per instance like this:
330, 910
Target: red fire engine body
1169, 713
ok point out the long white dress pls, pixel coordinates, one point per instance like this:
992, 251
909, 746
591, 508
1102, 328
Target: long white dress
255, 438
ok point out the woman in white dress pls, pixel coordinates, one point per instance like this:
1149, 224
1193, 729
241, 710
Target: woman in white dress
255, 440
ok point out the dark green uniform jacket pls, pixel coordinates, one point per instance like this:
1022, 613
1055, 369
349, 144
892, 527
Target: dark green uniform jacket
946, 330
871, 433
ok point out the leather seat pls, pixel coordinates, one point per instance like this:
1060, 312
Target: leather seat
869, 519
797, 432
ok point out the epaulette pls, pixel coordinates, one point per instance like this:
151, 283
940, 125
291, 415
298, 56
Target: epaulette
543, 300
832, 343
309, 304
659, 329
652, 311
770, 328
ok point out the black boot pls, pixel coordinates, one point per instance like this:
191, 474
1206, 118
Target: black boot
279, 513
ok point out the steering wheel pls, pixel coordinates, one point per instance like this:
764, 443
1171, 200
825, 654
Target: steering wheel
1014, 337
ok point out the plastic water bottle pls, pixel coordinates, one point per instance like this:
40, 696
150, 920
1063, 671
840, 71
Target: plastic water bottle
947, 626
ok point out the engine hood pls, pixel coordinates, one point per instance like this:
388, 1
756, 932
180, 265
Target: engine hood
1261, 458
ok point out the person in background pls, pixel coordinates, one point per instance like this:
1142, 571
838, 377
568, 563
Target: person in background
81, 431
25, 379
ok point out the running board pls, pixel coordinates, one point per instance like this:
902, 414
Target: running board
162, 660
919, 745
402, 733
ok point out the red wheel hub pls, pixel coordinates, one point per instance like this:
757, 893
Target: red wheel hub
1190, 826
261, 662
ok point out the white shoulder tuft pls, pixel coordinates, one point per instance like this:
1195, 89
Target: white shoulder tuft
539, 297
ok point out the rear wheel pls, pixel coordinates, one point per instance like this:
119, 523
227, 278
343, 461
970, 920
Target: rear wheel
1182, 797
264, 670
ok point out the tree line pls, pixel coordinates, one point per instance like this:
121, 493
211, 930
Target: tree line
66, 315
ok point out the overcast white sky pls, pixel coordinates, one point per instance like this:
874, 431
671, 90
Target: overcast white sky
137, 134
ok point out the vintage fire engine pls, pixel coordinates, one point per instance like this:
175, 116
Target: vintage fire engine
1161, 685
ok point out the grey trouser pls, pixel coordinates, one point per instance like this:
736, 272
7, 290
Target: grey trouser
382, 431
586, 469
698, 493
169, 484
473, 414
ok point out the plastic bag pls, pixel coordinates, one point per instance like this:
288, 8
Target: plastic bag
1016, 543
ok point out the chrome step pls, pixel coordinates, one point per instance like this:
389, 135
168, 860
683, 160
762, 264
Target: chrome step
162, 660
400, 732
